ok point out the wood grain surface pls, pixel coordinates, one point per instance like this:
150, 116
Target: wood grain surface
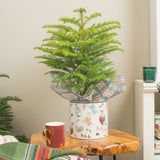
117, 142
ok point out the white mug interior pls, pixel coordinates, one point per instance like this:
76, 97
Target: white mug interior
54, 123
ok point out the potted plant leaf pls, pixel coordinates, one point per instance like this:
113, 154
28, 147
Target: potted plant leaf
77, 54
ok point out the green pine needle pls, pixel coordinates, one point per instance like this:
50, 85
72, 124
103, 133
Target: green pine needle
4, 75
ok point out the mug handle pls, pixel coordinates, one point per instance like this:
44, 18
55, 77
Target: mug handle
45, 135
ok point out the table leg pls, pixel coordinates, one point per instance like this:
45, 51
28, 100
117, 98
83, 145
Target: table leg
100, 157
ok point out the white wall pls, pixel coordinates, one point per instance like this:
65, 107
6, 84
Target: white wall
21, 30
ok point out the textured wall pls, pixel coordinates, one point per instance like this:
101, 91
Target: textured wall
21, 30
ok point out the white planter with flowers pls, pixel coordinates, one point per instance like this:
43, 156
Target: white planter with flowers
88, 120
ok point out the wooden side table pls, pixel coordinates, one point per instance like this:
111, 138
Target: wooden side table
117, 142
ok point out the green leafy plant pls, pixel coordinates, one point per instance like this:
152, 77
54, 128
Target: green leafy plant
77, 51
6, 116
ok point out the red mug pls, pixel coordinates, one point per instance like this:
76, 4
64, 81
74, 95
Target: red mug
54, 134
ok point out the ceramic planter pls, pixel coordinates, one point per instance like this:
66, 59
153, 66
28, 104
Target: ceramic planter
89, 120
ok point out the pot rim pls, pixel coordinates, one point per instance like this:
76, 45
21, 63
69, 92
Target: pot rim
86, 102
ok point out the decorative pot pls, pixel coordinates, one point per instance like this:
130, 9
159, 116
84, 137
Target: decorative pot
89, 120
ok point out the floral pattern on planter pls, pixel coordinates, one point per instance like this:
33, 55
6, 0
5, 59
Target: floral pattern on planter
89, 120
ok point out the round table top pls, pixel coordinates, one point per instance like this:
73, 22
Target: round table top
115, 143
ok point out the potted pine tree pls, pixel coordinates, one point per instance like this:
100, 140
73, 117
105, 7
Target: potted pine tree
77, 53
6, 116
